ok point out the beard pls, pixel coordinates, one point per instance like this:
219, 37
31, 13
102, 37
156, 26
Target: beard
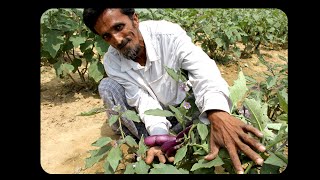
131, 53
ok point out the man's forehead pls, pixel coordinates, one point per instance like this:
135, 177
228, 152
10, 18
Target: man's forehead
112, 14
109, 18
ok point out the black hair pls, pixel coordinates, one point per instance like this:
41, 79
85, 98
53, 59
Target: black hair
91, 15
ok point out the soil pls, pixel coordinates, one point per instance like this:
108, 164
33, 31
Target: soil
66, 138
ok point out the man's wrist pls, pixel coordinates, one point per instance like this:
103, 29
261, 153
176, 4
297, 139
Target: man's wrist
212, 111
158, 129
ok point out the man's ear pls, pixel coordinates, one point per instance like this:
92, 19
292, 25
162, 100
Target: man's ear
135, 20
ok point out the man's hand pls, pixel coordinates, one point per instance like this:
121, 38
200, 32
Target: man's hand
156, 151
231, 133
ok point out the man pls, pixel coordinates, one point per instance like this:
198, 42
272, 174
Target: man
135, 64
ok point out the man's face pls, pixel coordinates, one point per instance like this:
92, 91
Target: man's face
120, 32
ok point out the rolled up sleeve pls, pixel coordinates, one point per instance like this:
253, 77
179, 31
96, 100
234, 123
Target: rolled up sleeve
210, 89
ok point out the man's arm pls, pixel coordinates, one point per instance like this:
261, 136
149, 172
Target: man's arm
137, 97
210, 89
212, 98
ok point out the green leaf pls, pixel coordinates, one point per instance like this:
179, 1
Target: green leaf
180, 154
66, 46
200, 152
141, 167
92, 112
269, 169
87, 45
114, 157
275, 126
102, 141
202, 130
113, 119
142, 148
129, 169
283, 100
96, 155
77, 40
258, 112
177, 114
238, 90
107, 168
204, 171
282, 157
131, 115
52, 42
158, 112
274, 160
219, 42
166, 169
76, 63
130, 141
283, 117
271, 81
88, 55
223, 153
269, 134
101, 46
62, 68
96, 71
66, 68
172, 73
202, 163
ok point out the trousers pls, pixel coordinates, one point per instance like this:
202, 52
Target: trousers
113, 94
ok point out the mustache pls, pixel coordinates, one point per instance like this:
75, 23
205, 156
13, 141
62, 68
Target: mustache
123, 43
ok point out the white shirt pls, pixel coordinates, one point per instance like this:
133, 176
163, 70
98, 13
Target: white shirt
151, 87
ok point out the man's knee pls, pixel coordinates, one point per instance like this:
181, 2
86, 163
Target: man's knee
109, 85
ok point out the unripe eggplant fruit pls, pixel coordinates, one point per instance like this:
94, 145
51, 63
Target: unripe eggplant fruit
158, 140
185, 131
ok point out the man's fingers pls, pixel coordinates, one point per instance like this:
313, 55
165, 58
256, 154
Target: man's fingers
155, 151
213, 153
214, 149
235, 158
253, 130
150, 156
250, 153
171, 159
253, 142
161, 157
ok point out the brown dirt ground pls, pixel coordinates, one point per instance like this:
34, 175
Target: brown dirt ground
66, 138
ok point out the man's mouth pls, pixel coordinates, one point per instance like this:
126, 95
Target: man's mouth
124, 44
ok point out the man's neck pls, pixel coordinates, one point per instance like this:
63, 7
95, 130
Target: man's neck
142, 57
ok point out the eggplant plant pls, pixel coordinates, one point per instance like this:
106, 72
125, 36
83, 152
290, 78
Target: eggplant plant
191, 145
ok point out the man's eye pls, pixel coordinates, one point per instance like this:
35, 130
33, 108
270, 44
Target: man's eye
106, 36
119, 27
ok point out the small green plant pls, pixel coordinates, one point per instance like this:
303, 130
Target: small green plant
189, 159
70, 47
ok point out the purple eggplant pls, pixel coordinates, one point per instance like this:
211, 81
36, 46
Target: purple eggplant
173, 149
150, 140
185, 131
164, 138
167, 145
158, 140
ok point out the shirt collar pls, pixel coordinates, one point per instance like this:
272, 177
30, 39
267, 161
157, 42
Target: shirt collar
151, 52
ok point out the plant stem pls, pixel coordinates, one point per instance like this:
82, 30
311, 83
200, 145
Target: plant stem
192, 127
120, 126
249, 167
200, 146
267, 148
274, 143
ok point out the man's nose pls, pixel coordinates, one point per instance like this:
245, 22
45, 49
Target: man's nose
117, 39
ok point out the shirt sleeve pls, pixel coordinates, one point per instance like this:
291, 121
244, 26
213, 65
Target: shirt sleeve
140, 99
143, 101
210, 89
